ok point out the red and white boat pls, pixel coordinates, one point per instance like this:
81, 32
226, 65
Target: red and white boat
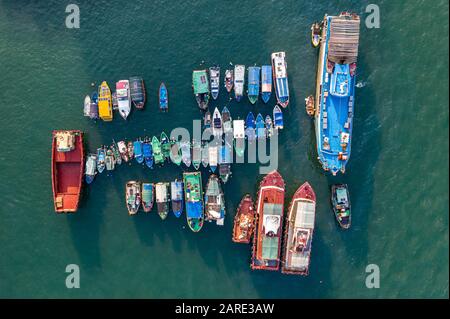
67, 169
298, 233
269, 211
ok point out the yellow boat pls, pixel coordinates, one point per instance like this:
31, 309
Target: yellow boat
105, 102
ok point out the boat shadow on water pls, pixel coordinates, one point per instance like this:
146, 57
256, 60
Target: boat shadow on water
85, 229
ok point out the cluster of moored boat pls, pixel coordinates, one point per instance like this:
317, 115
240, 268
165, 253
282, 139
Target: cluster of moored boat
278, 240
264, 223
200, 206
259, 82
102, 102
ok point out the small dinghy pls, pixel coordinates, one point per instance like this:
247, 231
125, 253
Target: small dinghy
277, 118
148, 153
316, 30
266, 82
117, 156
87, 106
133, 196
186, 153
196, 154
269, 126
214, 78
253, 83
239, 80
114, 102
229, 79
260, 127
148, 196
340, 200
205, 154
250, 127
175, 152
309, 105
91, 168
123, 151
130, 148
138, 153
214, 201
162, 199
244, 221
109, 160
227, 122
157, 154
101, 156
163, 98
212, 158
176, 195
165, 146
217, 124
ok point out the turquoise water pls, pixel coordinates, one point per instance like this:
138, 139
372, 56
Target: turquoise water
398, 172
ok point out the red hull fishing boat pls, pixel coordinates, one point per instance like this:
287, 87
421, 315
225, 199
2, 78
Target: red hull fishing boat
244, 221
298, 232
269, 211
67, 169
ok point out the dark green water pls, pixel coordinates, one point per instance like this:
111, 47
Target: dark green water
398, 172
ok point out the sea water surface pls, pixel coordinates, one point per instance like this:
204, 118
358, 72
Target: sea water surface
398, 171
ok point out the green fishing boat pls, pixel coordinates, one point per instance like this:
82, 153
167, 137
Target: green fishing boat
200, 85
157, 154
175, 152
193, 197
165, 146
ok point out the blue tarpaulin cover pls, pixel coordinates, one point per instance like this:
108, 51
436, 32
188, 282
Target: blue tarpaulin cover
194, 209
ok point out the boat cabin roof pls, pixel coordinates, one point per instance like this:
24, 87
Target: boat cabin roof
343, 39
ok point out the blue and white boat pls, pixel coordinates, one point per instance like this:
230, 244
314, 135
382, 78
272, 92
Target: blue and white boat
266, 82
137, 149
163, 98
239, 81
336, 90
253, 83
225, 156
148, 153
101, 156
260, 126
91, 168
277, 118
176, 195
279, 69
250, 127
214, 78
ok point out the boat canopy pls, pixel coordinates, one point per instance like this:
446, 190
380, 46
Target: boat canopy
343, 39
136, 89
65, 141
200, 82
194, 209
147, 149
340, 80
305, 214
341, 196
147, 192
238, 129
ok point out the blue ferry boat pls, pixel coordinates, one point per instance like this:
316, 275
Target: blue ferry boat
266, 82
335, 90
253, 83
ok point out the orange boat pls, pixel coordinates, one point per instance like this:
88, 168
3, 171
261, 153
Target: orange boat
298, 232
267, 240
67, 169
244, 221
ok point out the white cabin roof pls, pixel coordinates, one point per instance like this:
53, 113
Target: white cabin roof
238, 129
